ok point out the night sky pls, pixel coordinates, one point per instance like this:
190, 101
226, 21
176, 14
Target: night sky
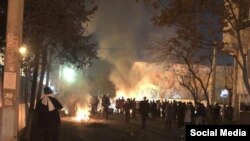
122, 30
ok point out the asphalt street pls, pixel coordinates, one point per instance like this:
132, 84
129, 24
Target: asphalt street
115, 129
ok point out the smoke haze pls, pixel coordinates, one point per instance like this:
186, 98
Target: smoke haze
122, 29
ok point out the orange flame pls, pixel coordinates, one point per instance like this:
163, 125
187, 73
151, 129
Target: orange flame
142, 89
153, 81
82, 114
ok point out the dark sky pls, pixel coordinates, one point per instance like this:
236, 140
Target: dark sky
123, 30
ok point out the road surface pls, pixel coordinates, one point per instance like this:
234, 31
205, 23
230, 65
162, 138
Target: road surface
115, 129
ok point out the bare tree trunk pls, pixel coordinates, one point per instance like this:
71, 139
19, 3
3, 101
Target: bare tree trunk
245, 80
48, 68
26, 94
243, 66
47, 76
43, 70
32, 98
195, 98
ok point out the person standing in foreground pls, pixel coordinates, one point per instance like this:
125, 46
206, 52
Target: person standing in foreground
144, 109
48, 118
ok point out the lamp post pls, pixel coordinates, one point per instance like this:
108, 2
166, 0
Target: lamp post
224, 94
24, 86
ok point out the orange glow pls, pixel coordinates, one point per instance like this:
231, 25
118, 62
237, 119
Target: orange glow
146, 80
83, 110
154, 81
120, 94
82, 114
143, 88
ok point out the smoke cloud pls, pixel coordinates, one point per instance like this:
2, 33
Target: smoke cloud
121, 29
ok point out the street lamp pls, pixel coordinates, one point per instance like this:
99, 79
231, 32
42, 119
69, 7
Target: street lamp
23, 54
24, 83
224, 94
23, 50
69, 74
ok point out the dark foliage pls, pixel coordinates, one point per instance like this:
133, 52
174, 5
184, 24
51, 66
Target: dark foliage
3, 21
60, 27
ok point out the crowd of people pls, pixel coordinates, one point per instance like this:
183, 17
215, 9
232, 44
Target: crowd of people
175, 113
181, 113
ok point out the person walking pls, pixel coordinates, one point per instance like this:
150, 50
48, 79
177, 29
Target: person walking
48, 119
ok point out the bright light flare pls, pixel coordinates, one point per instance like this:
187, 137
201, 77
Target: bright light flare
224, 93
23, 50
143, 88
82, 114
69, 74
65, 110
120, 94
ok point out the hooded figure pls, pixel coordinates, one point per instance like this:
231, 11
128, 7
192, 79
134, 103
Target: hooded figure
48, 119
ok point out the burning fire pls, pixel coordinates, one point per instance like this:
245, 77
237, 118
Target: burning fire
82, 114
143, 88
153, 81
144, 80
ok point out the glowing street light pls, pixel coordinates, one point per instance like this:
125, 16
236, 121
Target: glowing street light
69, 74
23, 50
224, 93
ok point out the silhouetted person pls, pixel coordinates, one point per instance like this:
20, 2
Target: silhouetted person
133, 108
127, 108
229, 114
188, 114
105, 103
94, 104
169, 115
217, 113
180, 114
144, 109
200, 114
48, 118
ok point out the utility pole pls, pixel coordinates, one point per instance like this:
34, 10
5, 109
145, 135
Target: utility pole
9, 126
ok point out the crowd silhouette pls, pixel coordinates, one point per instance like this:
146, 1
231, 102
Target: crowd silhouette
175, 113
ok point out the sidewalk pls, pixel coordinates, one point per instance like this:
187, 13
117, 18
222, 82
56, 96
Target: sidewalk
244, 118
